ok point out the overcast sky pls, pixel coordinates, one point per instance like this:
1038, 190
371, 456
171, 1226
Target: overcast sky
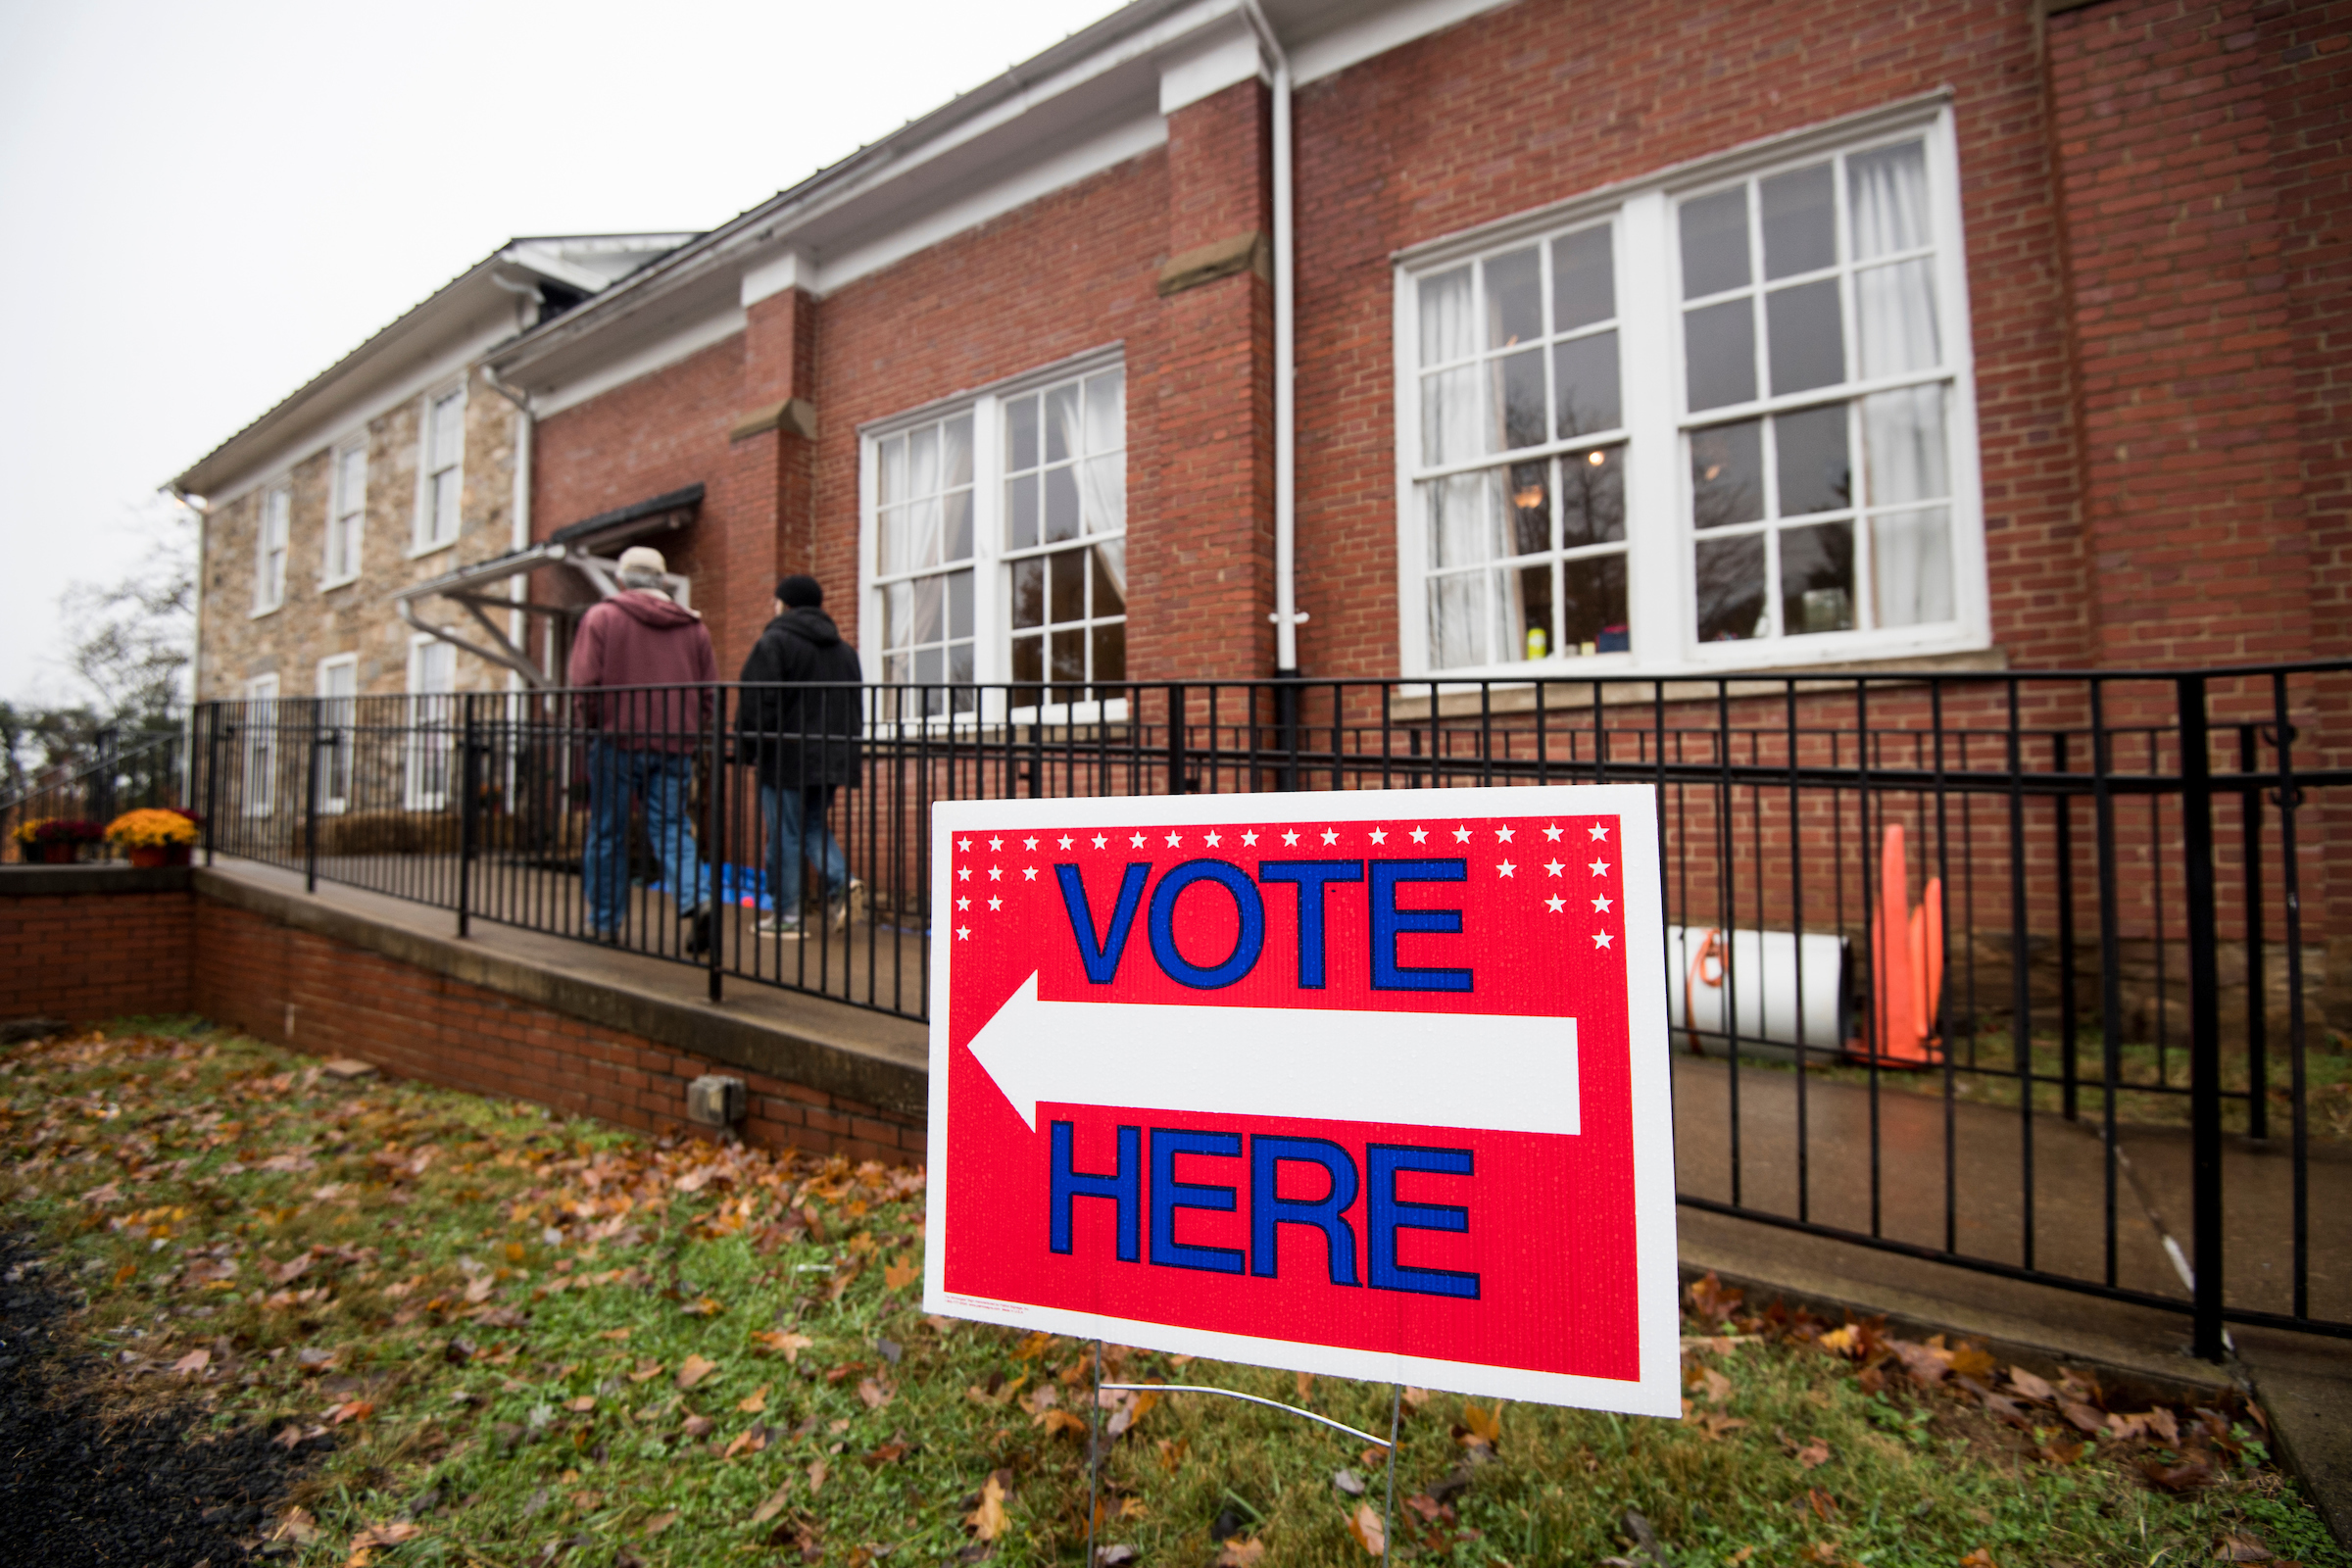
202, 206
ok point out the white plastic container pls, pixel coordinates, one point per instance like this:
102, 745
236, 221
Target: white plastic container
1777, 987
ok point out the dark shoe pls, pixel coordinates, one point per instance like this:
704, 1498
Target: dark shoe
697, 934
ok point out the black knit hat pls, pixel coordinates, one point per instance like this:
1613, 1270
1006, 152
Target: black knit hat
800, 592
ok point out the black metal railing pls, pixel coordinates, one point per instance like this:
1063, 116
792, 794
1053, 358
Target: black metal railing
2023, 972
113, 774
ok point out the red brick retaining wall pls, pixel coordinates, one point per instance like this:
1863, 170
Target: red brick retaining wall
85, 955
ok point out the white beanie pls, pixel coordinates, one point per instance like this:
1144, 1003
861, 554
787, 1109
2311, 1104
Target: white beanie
644, 557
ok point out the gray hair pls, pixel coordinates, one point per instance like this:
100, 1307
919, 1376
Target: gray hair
643, 577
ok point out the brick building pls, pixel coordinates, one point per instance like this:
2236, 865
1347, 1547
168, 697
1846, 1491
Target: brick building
391, 467
1684, 339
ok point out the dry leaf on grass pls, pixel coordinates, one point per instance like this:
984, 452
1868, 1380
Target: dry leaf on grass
754, 1403
773, 1506
1981, 1557
817, 1477
350, 1410
988, 1521
581, 1405
1813, 1455
693, 1370
1059, 1421
193, 1361
647, 1371
1239, 1553
1365, 1526
751, 1442
477, 1292
900, 1275
2236, 1545
2030, 1386
659, 1523
364, 1544
784, 1340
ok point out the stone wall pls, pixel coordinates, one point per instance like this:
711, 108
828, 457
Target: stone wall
315, 622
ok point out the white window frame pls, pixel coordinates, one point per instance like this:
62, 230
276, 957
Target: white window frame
430, 752
273, 545
341, 508
992, 557
260, 746
338, 728
1660, 590
426, 538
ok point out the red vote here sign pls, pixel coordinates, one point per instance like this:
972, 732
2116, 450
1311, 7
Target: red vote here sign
1366, 1084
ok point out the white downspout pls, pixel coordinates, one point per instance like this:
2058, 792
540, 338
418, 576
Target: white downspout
1285, 618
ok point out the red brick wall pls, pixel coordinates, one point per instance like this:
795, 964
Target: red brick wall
327, 997
92, 955
2154, 195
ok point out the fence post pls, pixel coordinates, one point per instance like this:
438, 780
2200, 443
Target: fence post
2204, 1018
467, 810
309, 809
714, 847
212, 776
101, 800
1285, 719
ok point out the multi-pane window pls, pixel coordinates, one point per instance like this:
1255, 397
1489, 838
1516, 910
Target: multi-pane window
1065, 533
1519, 354
261, 745
1722, 418
270, 541
338, 704
346, 512
998, 543
923, 530
432, 723
1815, 389
444, 469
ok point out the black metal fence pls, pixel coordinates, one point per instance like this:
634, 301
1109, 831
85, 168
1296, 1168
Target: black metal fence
116, 773
2026, 972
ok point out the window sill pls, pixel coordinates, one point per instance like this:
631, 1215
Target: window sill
327, 586
270, 609
419, 551
1519, 692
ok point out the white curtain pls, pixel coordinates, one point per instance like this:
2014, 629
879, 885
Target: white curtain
1905, 446
1454, 403
1102, 474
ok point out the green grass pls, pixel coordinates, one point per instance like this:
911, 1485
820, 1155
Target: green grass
909, 1417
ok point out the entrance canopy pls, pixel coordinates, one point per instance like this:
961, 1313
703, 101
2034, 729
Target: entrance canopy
590, 548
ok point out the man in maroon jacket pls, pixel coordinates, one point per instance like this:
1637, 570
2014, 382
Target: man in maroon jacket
643, 740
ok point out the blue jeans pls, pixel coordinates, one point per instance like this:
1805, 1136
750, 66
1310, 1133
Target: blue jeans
662, 780
797, 830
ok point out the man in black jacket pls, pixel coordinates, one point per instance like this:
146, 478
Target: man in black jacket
800, 737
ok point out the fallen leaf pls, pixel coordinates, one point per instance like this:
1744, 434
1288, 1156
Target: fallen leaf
480, 1291
754, 1402
987, 1521
1824, 1507
2160, 1421
1032, 1347
773, 1506
659, 1523
1971, 1360
886, 1453
1981, 1557
1365, 1526
705, 1306
2032, 1388
699, 1427
126, 1273
350, 1410
750, 1441
1118, 1556
389, 1535
784, 1340
1719, 1388
646, 1372
2196, 1470
1060, 1421
875, 1393
613, 1334
581, 1405
1813, 1455
1239, 1553
2237, 1546
693, 1370
817, 1477
297, 1525
1839, 1340
1482, 1425
899, 1275
1714, 1426
1416, 1398
1347, 1482
193, 1361
2082, 1416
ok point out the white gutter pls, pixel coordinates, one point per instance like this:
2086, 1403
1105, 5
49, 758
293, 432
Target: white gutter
1285, 618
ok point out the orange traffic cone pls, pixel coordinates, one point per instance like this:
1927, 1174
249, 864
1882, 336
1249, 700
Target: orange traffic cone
1906, 952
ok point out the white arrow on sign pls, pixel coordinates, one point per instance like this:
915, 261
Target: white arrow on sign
1423, 1070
